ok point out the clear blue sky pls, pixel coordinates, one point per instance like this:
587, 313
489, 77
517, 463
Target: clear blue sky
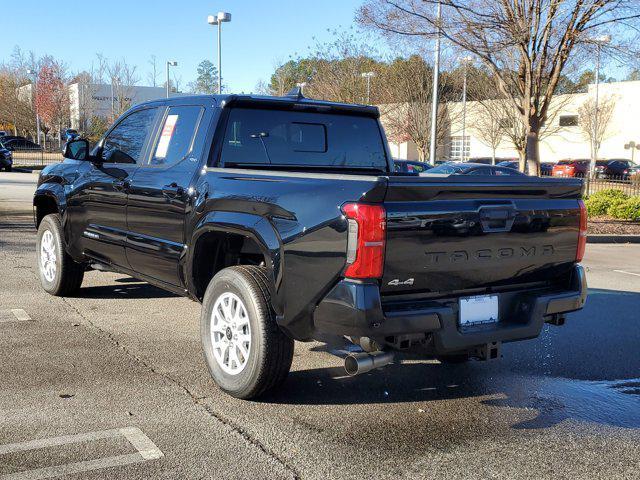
260, 32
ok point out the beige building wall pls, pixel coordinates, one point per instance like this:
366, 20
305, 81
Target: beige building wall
558, 142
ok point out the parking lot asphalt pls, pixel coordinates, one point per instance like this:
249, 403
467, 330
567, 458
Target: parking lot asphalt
126, 355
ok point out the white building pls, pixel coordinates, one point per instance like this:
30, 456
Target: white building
101, 100
564, 136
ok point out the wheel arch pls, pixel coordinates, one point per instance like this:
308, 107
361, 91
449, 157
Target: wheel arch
247, 238
47, 200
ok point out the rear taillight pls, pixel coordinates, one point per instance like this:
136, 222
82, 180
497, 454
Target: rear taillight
582, 234
366, 240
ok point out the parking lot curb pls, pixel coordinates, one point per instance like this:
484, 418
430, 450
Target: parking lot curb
613, 239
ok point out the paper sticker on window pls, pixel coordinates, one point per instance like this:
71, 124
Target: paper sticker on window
165, 136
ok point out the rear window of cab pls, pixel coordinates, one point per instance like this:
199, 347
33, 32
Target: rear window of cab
290, 138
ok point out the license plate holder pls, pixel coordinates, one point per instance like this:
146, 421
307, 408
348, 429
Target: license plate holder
478, 310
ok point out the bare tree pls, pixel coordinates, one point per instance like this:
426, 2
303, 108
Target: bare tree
122, 77
526, 44
488, 125
595, 123
408, 84
152, 75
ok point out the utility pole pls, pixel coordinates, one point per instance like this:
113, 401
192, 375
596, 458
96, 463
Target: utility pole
465, 61
599, 41
219, 20
170, 63
35, 101
368, 76
434, 95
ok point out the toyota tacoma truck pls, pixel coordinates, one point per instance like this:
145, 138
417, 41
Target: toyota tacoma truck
284, 217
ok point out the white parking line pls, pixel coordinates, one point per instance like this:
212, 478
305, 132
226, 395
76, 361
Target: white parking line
20, 314
628, 273
14, 315
146, 450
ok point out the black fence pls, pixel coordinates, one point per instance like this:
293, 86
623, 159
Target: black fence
35, 157
628, 184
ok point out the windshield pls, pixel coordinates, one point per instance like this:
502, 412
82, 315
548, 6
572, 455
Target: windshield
445, 169
276, 137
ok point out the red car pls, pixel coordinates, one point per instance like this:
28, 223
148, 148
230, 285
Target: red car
571, 168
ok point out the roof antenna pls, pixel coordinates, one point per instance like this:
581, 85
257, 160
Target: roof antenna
295, 92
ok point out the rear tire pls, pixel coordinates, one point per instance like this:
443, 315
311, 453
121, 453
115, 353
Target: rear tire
8, 168
59, 274
245, 350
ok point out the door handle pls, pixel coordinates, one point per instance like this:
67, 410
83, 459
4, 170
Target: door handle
172, 191
121, 185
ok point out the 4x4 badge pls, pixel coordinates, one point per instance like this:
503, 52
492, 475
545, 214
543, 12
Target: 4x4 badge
397, 282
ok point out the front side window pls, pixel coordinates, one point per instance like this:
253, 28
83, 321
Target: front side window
125, 142
176, 135
291, 138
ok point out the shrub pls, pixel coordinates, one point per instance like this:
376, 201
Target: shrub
599, 203
628, 209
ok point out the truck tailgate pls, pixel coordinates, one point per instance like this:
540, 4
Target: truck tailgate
460, 232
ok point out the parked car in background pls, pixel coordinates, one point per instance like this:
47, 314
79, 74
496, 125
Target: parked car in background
546, 168
509, 164
20, 143
410, 166
6, 159
571, 168
472, 169
70, 134
614, 169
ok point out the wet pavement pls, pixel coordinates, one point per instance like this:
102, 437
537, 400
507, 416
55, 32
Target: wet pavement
124, 354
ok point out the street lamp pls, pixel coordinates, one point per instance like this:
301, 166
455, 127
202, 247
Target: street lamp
599, 42
368, 76
436, 79
219, 20
465, 64
170, 63
34, 74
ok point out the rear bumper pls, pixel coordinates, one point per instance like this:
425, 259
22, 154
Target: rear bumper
355, 309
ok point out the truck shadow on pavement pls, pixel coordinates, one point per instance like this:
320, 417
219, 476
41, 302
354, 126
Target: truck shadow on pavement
587, 370
126, 288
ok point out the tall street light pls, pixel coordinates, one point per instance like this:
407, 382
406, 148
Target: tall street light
368, 76
465, 64
434, 95
599, 42
218, 20
34, 74
170, 63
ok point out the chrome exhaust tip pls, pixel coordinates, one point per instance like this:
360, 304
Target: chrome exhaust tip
357, 363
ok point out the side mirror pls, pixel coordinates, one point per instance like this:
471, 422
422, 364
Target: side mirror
77, 149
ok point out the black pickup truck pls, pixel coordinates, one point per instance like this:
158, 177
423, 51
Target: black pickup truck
285, 218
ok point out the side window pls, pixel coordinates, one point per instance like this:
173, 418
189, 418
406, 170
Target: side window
125, 142
177, 134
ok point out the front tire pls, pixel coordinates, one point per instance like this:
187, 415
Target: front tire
245, 350
59, 274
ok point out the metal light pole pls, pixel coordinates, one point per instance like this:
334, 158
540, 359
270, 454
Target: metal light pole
35, 103
368, 76
599, 41
219, 20
434, 96
170, 63
466, 61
